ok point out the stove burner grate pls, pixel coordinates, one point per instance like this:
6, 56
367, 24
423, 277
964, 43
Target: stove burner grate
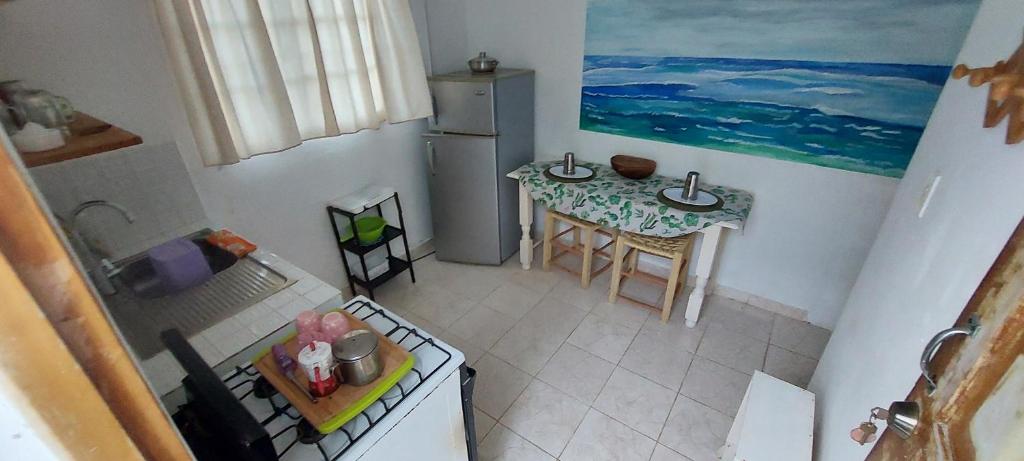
246, 382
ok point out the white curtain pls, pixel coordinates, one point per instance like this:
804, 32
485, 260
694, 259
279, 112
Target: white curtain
261, 76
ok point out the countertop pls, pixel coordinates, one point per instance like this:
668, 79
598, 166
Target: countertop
223, 344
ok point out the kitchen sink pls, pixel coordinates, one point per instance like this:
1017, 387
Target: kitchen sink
141, 278
141, 308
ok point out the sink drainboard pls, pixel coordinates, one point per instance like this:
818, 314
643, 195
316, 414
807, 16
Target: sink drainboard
229, 292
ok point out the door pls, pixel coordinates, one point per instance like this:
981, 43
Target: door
463, 107
974, 412
464, 197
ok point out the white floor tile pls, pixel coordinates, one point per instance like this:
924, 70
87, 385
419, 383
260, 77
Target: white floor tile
639, 403
532, 341
472, 283
440, 306
569, 291
501, 444
601, 438
661, 453
734, 350
675, 332
800, 337
545, 416
716, 386
471, 352
741, 318
657, 360
787, 366
623, 313
603, 337
513, 300
482, 326
577, 372
498, 384
696, 431
536, 278
482, 423
640, 290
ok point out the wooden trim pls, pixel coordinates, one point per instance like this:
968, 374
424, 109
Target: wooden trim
55, 389
38, 256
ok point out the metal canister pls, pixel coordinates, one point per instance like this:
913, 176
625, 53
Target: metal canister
569, 164
358, 357
692, 185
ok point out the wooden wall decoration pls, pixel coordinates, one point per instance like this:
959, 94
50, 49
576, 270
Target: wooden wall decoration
1005, 92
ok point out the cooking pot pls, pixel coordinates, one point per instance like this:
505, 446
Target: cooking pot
358, 357
482, 64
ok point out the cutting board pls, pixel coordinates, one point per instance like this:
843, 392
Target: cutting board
331, 412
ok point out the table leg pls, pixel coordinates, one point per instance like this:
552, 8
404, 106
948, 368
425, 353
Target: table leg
705, 260
525, 221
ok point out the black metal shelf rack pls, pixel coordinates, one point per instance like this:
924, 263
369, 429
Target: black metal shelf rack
352, 246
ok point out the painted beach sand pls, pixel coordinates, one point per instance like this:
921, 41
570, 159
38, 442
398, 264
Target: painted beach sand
853, 116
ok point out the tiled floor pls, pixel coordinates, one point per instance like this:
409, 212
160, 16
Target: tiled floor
563, 374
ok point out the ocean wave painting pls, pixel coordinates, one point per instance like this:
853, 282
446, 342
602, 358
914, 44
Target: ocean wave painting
858, 116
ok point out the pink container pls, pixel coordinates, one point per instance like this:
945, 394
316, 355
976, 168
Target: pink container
307, 337
307, 322
334, 325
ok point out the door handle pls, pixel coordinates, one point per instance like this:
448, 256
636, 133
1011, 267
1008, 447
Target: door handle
973, 325
430, 157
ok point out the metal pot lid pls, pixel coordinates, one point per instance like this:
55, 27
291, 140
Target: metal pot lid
483, 58
355, 345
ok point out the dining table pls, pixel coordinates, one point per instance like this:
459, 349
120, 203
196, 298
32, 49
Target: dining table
632, 205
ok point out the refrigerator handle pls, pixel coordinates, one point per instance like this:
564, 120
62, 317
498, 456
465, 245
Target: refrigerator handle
430, 157
433, 106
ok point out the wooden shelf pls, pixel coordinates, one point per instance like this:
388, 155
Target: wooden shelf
89, 136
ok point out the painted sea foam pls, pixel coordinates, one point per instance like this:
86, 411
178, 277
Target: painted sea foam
853, 116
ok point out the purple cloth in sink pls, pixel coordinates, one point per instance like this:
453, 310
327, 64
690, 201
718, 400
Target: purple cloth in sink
179, 264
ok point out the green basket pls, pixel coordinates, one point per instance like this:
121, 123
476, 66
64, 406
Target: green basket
370, 230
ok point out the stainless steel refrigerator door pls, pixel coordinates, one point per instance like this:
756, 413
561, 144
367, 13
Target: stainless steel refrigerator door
464, 197
463, 107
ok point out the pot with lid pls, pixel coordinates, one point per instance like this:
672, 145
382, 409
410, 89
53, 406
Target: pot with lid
358, 357
482, 64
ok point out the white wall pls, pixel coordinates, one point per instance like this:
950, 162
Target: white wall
921, 272
810, 228
108, 58
150, 180
23, 434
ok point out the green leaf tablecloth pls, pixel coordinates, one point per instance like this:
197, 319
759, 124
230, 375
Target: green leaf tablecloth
631, 205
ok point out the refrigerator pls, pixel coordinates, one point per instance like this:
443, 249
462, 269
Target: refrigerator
482, 129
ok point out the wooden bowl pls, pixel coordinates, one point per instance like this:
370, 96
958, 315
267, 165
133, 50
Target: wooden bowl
633, 167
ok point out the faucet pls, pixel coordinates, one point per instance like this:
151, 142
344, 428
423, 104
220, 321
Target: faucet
101, 270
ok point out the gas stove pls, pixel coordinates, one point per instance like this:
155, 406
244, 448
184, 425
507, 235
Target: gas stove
293, 438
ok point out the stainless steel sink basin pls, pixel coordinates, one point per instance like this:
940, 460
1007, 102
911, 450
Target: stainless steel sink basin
141, 278
141, 308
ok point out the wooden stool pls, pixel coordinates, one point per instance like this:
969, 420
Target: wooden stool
630, 245
587, 250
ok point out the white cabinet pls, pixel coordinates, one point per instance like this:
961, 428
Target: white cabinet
775, 422
433, 431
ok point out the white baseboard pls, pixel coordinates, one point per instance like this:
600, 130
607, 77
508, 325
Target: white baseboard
659, 266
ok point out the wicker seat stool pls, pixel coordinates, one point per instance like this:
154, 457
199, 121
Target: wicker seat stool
630, 245
586, 250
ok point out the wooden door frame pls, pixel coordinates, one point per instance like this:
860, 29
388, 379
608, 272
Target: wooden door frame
1003, 283
71, 415
39, 257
